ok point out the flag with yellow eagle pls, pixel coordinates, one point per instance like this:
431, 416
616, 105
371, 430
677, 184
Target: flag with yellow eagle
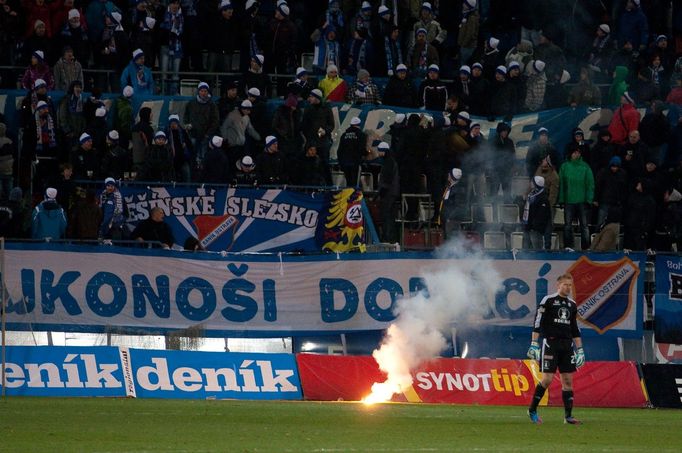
341, 227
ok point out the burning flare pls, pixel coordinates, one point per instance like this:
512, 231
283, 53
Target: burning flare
458, 291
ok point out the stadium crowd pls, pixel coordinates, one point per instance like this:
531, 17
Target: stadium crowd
466, 58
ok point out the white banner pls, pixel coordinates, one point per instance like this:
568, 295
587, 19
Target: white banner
98, 289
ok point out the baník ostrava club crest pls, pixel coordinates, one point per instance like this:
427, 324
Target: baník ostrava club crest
603, 291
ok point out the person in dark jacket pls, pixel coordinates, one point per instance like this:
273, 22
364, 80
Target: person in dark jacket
12, 214
504, 153
317, 126
217, 168
578, 142
142, 137
389, 191
181, 149
114, 157
85, 159
271, 164
602, 151
158, 162
246, 174
154, 229
352, 148
503, 97
539, 150
399, 91
537, 213
453, 207
479, 92
311, 169
49, 221
611, 189
655, 131
640, 217
433, 92
221, 38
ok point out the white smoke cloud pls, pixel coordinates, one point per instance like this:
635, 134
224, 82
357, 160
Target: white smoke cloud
460, 291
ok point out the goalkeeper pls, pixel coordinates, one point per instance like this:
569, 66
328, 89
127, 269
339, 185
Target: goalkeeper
556, 325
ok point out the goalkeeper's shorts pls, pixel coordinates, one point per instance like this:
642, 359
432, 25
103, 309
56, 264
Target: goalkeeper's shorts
557, 353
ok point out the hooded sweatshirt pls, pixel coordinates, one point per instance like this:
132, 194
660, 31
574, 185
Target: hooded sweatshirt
618, 86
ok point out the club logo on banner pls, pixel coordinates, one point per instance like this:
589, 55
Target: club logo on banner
344, 223
254, 220
604, 292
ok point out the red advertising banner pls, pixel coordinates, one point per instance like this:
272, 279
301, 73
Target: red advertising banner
470, 381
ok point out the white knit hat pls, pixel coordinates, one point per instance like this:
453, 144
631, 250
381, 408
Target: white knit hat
128, 91
113, 135
101, 112
539, 181
270, 140
217, 141
355, 121
493, 42
246, 104
73, 13
50, 193
255, 92
456, 174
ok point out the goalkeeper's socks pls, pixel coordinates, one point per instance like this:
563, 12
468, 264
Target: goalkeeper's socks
537, 396
567, 396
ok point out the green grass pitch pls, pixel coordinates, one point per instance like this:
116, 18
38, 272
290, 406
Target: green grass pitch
129, 425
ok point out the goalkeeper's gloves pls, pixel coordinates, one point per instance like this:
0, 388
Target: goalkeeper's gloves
534, 351
579, 357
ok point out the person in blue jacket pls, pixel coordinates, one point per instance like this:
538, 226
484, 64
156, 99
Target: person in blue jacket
137, 75
49, 221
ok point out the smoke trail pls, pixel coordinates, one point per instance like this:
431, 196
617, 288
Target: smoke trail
458, 291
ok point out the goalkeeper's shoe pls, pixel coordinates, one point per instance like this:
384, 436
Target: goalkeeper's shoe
572, 421
534, 417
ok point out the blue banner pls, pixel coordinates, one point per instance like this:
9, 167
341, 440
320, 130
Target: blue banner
64, 371
235, 220
215, 375
72, 288
377, 118
668, 300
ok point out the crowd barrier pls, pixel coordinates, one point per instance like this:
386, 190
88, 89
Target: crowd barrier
121, 372
377, 118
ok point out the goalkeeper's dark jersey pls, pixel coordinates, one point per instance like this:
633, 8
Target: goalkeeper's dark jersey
556, 318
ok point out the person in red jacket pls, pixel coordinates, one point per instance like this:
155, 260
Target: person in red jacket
625, 119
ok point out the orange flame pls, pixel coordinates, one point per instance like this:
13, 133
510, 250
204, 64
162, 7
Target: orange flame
382, 392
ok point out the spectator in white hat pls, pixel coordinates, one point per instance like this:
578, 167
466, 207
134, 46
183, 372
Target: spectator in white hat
435, 34
467, 38
246, 174
399, 91
48, 220
236, 126
256, 77
281, 52
272, 166
454, 208
300, 86
201, 120
137, 75
171, 41
222, 35
421, 54
433, 92
38, 69
352, 149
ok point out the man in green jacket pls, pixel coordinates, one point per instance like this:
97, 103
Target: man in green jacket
576, 193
